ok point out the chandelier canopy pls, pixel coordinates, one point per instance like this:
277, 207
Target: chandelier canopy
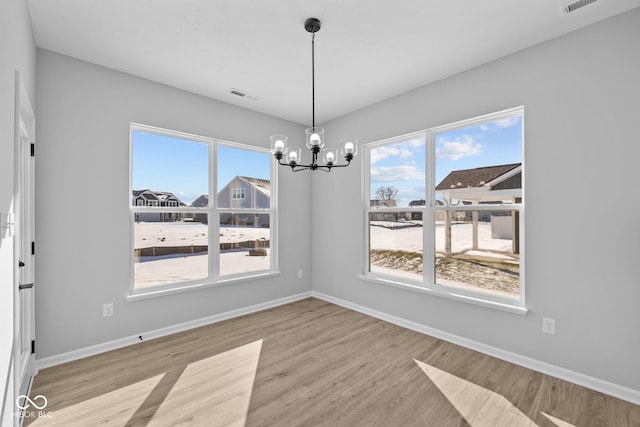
314, 135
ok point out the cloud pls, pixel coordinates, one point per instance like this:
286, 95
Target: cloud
508, 122
401, 150
381, 153
414, 143
500, 124
463, 146
396, 173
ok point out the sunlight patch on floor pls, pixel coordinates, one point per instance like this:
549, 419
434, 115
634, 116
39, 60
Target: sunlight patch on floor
214, 392
123, 403
479, 406
557, 421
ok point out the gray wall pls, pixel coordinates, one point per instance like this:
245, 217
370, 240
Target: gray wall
82, 213
17, 52
581, 94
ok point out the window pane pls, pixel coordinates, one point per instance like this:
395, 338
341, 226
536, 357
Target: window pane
243, 178
397, 173
478, 250
245, 240
395, 245
169, 252
168, 171
480, 164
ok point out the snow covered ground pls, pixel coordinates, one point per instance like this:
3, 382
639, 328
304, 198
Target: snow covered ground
475, 269
178, 268
184, 267
147, 234
410, 238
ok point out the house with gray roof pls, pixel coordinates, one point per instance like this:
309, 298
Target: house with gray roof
151, 198
488, 184
244, 192
202, 201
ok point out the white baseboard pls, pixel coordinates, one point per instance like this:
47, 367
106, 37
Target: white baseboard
47, 362
611, 389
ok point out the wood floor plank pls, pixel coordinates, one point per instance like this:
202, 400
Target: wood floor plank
312, 363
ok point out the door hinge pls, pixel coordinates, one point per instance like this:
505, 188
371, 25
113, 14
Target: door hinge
33, 248
33, 150
33, 346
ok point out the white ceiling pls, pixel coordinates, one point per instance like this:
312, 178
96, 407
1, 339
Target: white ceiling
366, 51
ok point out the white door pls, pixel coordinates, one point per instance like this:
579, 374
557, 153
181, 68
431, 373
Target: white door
24, 333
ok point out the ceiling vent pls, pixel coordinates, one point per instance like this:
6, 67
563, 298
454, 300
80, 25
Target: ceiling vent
573, 6
243, 94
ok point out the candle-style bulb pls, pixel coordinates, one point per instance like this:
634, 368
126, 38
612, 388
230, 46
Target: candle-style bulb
348, 148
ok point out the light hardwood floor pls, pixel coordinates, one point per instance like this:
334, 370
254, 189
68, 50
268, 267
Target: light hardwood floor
312, 363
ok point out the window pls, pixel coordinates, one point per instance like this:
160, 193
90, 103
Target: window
245, 217
238, 193
445, 209
184, 241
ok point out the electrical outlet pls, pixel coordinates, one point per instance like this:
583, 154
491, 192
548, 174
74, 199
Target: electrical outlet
549, 326
107, 309
300, 274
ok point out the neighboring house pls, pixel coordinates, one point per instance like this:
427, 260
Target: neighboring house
385, 216
151, 198
241, 192
201, 202
485, 185
489, 184
417, 216
244, 192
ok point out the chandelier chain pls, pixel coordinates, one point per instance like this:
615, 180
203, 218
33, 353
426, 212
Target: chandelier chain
313, 80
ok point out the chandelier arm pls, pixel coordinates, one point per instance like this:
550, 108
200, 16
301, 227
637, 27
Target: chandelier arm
341, 166
297, 165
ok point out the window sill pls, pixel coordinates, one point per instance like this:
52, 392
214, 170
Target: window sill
152, 293
449, 294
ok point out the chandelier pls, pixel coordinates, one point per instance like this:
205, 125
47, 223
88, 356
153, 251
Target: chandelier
315, 136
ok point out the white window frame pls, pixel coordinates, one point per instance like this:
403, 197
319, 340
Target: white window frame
237, 193
427, 285
213, 213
